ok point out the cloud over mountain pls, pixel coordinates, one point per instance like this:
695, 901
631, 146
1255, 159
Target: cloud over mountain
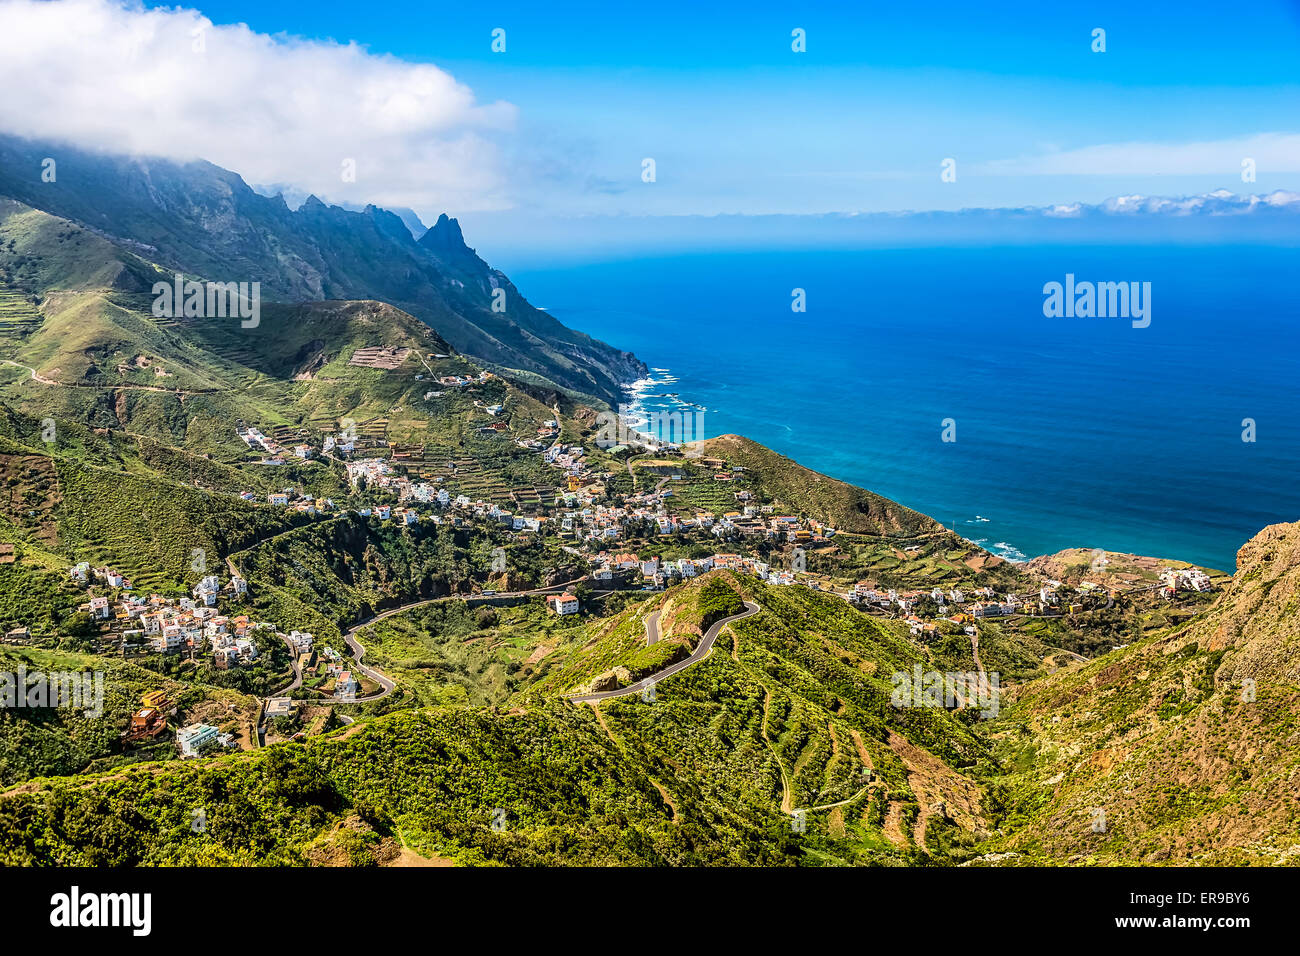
169, 82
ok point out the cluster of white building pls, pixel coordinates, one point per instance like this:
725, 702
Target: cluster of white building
375, 471
83, 574
379, 474
174, 625
1173, 580
290, 498
658, 572
254, 439
461, 381
979, 603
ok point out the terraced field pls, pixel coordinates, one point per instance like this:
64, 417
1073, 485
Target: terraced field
491, 472
695, 492
18, 316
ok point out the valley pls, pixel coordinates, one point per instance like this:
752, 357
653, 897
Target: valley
574, 652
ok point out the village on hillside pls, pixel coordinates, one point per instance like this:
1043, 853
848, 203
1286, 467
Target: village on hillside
615, 535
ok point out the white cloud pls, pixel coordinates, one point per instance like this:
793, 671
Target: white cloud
1272, 152
280, 109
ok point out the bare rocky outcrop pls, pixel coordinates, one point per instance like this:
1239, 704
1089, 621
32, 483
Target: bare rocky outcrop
610, 680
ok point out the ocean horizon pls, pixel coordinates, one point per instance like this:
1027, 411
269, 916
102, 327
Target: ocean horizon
1069, 431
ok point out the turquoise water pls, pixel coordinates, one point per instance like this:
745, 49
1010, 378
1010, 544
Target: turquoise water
1070, 432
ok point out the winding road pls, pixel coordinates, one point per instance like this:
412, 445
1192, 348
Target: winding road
652, 627
701, 651
358, 651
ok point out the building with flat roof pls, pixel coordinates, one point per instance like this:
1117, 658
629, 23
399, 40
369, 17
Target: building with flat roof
280, 707
196, 738
345, 686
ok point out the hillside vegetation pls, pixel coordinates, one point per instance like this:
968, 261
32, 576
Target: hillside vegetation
1189, 741
776, 719
1132, 728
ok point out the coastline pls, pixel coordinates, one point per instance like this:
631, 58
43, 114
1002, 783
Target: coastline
645, 399
857, 389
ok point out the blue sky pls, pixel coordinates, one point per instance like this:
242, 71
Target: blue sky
1163, 44
738, 123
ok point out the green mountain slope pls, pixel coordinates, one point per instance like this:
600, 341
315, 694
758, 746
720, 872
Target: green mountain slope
840, 504
204, 220
1188, 742
83, 350
777, 719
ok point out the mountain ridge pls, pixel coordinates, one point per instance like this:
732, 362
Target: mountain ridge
201, 219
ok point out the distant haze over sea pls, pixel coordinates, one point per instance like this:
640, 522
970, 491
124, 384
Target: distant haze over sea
1071, 432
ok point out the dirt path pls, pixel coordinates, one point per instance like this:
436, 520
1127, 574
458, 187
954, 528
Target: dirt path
663, 791
974, 695
837, 804
786, 794
408, 857
800, 762
36, 786
37, 377
353, 728
835, 823
538, 653
600, 719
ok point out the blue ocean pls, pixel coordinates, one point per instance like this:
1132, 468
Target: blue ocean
1069, 432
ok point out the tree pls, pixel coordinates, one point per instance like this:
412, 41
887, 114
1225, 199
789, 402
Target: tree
78, 624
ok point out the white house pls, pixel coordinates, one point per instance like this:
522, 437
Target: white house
345, 686
206, 590
196, 738
562, 604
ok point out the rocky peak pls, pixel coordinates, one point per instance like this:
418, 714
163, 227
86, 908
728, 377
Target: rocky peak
445, 237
